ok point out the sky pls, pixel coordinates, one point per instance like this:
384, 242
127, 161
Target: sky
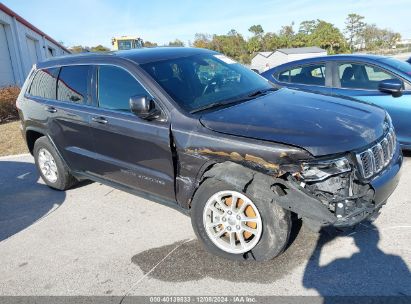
94, 22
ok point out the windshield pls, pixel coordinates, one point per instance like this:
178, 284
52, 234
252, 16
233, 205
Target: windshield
398, 64
202, 80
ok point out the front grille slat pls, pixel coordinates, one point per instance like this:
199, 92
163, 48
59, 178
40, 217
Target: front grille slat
376, 158
385, 151
390, 143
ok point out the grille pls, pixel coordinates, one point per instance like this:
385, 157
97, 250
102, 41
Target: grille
376, 158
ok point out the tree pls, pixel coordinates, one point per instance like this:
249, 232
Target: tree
82, 49
286, 35
79, 49
375, 38
307, 27
176, 42
329, 37
150, 44
302, 40
233, 45
287, 30
99, 48
354, 26
255, 43
393, 38
257, 30
202, 40
370, 36
270, 42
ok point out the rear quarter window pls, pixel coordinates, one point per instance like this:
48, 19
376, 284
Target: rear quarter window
308, 74
73, 83
44, 83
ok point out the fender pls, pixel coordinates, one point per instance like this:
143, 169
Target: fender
283, 192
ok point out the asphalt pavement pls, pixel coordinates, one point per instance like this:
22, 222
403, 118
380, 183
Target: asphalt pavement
96, 240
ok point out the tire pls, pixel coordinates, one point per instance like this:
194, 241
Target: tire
62, 180
275, 224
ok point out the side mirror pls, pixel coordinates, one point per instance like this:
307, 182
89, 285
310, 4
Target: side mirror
144, 107
391, 86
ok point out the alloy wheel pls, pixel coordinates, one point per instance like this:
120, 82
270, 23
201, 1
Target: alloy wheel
232, 222
47, 165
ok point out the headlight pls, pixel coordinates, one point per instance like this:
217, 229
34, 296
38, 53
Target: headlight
318, 171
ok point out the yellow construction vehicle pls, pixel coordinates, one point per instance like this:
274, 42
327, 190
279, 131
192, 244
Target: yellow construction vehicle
127, 42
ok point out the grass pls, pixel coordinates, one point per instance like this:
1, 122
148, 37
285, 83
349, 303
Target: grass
11, 140
8, 110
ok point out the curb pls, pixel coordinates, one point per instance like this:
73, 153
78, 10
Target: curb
15, 155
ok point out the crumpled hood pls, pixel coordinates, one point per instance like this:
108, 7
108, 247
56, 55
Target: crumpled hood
320, 124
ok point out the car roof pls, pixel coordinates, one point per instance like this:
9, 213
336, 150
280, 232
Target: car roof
343, 57
139, 56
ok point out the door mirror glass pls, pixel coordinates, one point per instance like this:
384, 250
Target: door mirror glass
143, 107
391, 86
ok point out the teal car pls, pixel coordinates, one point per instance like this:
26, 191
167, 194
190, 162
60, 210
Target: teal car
383, 81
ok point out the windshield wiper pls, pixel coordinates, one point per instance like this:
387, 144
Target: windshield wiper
261, 92
249, 96
210, 106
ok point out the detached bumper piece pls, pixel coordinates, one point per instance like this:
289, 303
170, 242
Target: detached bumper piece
350, 213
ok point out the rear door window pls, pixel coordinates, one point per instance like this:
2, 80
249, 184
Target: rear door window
115, 87
44, 83
361, 76
308, 74
73, 84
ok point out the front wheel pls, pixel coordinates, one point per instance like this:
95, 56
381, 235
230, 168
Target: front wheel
235, 225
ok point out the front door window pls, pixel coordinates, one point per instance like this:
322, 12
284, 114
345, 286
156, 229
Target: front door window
361, 76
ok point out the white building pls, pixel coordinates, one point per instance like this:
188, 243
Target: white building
404, 42
266, 60
21, 46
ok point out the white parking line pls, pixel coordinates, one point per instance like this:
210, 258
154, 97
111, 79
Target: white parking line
23, 175
152, 269
14, 156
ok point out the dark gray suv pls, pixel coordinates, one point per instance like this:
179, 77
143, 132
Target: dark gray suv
195, 130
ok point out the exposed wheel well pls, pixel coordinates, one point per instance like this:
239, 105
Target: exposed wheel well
31, 137
230, 172
282, 191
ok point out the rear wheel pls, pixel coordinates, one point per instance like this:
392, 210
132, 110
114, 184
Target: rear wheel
235, 225
50, 165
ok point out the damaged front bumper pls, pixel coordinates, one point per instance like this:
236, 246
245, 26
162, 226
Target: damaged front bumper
351, 210
342, 199
383, 186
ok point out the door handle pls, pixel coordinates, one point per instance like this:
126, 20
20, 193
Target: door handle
50, 109
100, 120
